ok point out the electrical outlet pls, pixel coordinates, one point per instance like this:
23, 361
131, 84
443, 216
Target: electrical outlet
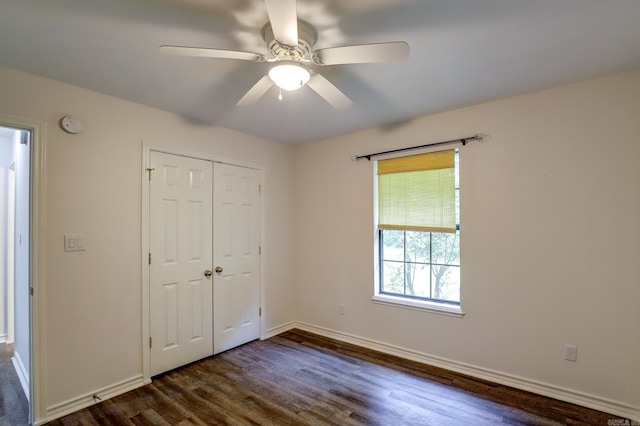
570, 353
341, 309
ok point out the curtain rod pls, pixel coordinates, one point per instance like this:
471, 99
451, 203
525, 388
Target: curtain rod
476, 137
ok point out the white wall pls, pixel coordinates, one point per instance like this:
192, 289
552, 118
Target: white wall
93, 186
550, 221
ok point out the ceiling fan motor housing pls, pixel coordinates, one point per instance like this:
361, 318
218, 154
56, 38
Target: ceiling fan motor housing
307, 37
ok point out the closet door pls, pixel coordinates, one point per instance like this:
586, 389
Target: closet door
236, 256
180, 282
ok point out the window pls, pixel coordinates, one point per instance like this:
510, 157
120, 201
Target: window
419, 232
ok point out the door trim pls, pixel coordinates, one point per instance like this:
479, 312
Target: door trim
147, 148
37, 391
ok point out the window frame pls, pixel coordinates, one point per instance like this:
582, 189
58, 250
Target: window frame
404, 262
448, 308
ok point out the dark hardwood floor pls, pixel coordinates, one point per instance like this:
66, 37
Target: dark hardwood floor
298, 378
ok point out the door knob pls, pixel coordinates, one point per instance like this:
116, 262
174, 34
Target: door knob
218, 270
208, 273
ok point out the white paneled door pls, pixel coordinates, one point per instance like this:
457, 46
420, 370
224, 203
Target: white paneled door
180, 241
236, 256
204, 280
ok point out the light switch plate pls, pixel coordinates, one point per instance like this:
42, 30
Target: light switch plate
74, 242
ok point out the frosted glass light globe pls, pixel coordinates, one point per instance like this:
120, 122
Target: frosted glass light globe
289, 75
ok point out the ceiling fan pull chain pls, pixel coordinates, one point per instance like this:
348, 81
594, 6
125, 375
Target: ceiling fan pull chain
280, 94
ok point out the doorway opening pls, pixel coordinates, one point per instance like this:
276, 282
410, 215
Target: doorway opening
15, 269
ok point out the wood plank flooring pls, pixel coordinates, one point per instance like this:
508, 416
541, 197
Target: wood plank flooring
298, 378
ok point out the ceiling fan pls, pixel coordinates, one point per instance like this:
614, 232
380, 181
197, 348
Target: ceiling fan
290, 41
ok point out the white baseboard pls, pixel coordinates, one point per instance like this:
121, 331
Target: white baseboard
278, 330
87, 400
545, 389
23, 374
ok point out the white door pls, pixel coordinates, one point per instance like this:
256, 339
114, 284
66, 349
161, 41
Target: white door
180, 235
236, 256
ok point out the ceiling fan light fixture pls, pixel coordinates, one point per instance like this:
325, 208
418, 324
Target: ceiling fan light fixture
289, 75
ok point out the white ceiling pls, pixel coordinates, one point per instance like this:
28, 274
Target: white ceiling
462, 52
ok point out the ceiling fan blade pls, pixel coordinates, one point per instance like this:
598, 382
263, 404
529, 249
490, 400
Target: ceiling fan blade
394, 51
329, 92
212, 53
283, 16
256, 92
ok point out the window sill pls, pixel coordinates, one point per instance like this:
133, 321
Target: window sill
419, 305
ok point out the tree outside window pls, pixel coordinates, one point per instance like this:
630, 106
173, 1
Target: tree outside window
421, 264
